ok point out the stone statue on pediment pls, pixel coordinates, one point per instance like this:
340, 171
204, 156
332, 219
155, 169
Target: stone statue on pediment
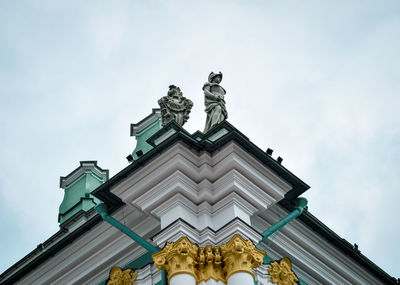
175, 106
214, 101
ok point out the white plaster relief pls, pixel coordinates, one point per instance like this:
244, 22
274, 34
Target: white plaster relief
206, 236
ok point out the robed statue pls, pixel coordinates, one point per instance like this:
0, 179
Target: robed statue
174, 106
214, 101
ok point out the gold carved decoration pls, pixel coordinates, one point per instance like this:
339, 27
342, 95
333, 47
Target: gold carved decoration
177, 258
121, 277
281, 273
210, 264
240, 255
218, 263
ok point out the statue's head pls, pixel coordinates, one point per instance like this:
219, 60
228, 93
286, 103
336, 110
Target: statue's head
215, 77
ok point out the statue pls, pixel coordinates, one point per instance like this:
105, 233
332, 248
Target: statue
174, 106
214, 101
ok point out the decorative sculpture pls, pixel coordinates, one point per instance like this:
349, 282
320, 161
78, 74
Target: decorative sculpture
240, 255
177, 258
209, 262
205, 263
214, 101
281, 273
121, 277
174, 106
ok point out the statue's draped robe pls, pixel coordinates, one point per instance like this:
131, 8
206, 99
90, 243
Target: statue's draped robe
215, 104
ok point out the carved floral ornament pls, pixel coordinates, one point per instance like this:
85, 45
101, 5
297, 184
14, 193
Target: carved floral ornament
121, 277
218, 263
281, 273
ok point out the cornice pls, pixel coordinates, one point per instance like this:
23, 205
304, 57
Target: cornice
181, 228
310, 251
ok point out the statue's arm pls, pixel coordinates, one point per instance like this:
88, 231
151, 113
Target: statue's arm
208, 94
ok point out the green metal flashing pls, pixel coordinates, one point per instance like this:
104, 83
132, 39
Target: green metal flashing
301, 203
143, 130
78, 186
102, 210
342, 244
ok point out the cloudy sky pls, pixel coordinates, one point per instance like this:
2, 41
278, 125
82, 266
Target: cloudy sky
317, 81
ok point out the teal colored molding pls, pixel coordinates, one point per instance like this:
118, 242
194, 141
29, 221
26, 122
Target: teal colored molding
267, 259
102, 210
78, 186
144, 130
301, 203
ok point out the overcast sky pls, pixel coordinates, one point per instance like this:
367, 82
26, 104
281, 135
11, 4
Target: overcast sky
317, 81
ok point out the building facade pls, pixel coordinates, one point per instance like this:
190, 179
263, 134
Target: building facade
202, 208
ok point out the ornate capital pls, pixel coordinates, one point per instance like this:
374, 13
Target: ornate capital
210, 264
241, 256
177, 258
121, 277
281, 273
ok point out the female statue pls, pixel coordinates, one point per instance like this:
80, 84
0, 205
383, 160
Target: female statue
214, 101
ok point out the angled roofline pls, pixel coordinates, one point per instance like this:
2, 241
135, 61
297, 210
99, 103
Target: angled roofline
153, 112
204, 144
48, 249
342, 244
114, 202
81, 163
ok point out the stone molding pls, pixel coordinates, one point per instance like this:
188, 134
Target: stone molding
181, 228
218, 263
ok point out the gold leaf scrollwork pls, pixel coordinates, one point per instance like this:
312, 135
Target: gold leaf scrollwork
177, 257
210, 264
218, 263
121, 277
281, 273
241, 255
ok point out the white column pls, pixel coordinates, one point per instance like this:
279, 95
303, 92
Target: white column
211, 282
241, 278
182, 279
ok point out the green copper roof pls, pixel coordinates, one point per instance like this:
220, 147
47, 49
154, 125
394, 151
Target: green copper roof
144, 130
78, 186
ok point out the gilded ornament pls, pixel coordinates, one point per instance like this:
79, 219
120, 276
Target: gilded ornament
121, 277
281, 273
240, 255
177, 258
218, 263
210, 264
